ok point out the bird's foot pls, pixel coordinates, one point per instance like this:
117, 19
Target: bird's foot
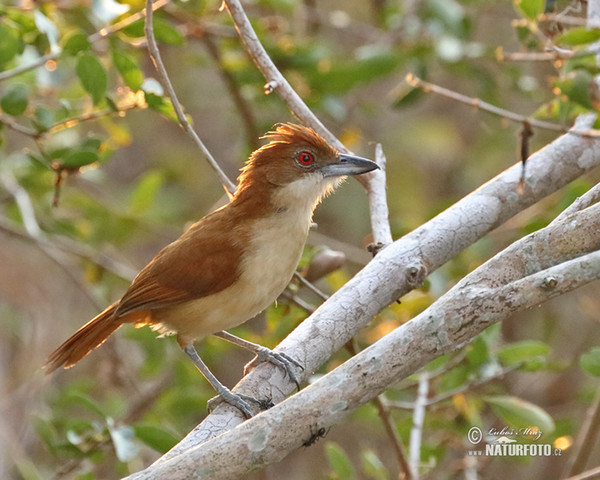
282, 360
238, 400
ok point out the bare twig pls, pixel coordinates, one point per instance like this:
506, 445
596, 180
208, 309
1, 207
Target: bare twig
378, 207
444, 327
168, 86
487, 107
240, 102
586, 440
447, 395
27, 212
206, 33
568, 20
591, 474
548, 56
588, 198
416, 432
388, 424
276, 82
392, 433
313, 288
65, 245
103, 32
17, 127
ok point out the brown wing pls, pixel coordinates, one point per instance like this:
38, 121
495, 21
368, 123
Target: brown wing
203, 261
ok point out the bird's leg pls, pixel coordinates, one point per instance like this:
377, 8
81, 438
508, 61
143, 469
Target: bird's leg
263, 354
235, 399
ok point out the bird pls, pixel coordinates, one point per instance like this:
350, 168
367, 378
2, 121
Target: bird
234, 262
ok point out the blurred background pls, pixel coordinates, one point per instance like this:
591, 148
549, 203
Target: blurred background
96, 176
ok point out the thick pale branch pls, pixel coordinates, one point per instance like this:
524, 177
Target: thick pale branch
450, 323
400, 267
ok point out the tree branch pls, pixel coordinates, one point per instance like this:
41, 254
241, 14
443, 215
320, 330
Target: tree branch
396, 270
168, 86
416, 432
454, 320
428, 87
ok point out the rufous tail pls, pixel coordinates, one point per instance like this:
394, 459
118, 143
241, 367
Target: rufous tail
83, 341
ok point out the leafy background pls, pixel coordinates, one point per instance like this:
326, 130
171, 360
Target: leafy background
92, 162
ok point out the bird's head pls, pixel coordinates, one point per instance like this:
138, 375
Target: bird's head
298, 162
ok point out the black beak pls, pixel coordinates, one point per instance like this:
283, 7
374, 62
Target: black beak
348, 165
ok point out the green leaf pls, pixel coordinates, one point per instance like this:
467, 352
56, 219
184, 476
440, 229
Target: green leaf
478, 352
339, 461
161, 104
93, 76
80, 158
373, 466
142, 197
530, 8
9, 45
75, 43
135, 29
164, 32
519, 413
45, 430
578, 36
576, 86
524, 351
129, 70
14, 101
156, 436
43, 119
590, 362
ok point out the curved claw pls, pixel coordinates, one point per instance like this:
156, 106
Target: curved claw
282, 360
238, 400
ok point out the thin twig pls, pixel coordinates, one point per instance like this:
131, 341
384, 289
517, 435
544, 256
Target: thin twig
168, 86
428, 87
587, 438
311, 286
568, 20
591, 474
548, 56
447, 395
27, 212
103, 32
416, 432
392, 433
86, 117
111, 265
390, 429
276, 82
380, 223
17, 127
206, 33
232, 85
588, 198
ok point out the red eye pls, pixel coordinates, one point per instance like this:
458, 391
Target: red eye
305, 158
